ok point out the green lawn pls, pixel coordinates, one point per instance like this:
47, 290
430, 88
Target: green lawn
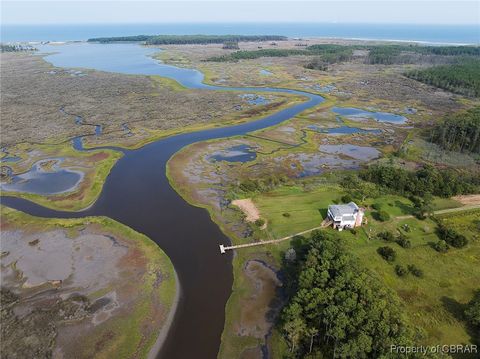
433, 303
307, 209
445, 203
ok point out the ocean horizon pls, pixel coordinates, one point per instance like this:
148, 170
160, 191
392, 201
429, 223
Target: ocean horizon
434, 34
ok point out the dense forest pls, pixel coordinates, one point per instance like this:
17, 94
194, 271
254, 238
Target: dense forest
459, 132
189, 39
427, 180
337, 309
328, 53
16, 48
462, 77
398, 54
377, 54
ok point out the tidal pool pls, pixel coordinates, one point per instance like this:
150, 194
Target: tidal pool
253, 99
363, 153
352, 112
10, 159
316, 163
324, 89
39, 180
238, 153
265, 72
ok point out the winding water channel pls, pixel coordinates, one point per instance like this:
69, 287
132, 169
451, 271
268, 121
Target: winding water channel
137, 193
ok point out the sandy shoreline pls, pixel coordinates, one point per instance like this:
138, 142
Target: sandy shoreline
162, 335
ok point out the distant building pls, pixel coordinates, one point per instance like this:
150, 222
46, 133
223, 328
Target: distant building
345, 215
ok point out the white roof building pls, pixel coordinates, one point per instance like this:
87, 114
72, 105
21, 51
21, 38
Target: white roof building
345, 215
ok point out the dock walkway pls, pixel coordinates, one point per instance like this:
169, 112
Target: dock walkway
223, 248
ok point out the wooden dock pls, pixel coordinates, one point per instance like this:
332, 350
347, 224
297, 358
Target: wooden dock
223, 248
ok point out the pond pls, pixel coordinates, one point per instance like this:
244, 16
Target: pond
44, 181
253, 99
354, 113
238, 153
10, 159
363, 153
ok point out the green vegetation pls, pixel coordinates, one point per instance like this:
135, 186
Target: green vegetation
462, 77
424, 303
472, 313
459, 132
451, 236
230, 45
394, 54
189, 39
387, 253
259, 222
417, 272
261, 185
385, 55
306, 208
331, 53
381, 216
328, 54
401, 270
442, 183
323, 315
16, 48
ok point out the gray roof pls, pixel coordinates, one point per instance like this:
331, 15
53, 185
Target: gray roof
340, 210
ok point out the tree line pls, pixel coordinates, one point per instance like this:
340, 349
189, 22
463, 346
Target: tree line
462, 77
394, 54
335, 307
426, 180
331, 53
459, 132
16, 48
189, 39
324, 55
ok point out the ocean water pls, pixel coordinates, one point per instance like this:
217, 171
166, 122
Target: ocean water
441, 34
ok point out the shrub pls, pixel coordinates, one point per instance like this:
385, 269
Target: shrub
290, 255
401, 270
386, 236
376, 206
472, 312
259, 222
286, 214
403, 242
347, 198
417, 272
387, 253
382, 216
451, 236
441, 246
249, 185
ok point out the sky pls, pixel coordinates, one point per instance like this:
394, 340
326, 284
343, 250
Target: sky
230, 11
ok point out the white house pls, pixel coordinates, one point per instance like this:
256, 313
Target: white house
345, 215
